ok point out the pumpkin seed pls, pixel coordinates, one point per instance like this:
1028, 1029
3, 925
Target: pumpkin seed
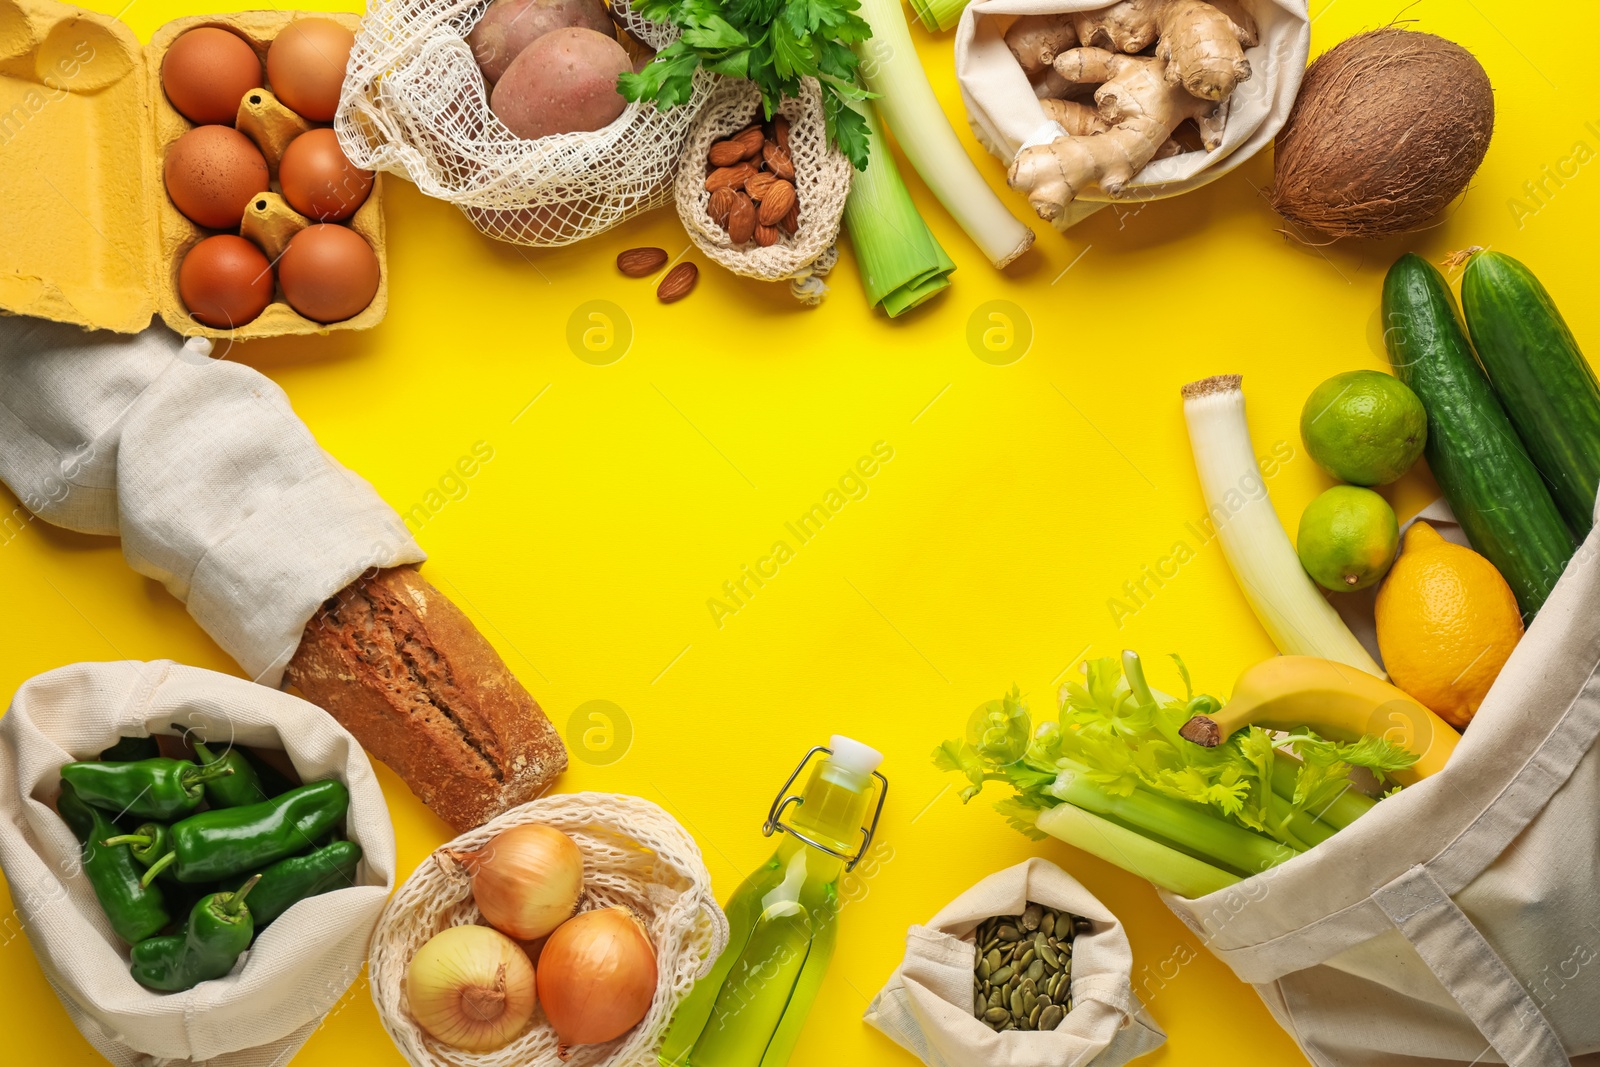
1031, 916
1050, 1017
1009, 933
1052, 959
1027, 958
1047, 923
984, 970
1002, 976
1018, 1005
1022, 971
1036, 970
1036, 1014
996, 1015
993, 960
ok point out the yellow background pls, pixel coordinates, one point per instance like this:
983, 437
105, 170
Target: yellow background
1019, 500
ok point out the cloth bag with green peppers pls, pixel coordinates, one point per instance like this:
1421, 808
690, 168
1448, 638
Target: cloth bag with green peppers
175, 897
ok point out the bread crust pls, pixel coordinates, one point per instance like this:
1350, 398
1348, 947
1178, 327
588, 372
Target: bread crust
400, 667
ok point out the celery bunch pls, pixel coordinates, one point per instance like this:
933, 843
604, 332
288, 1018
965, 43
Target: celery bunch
1203, 817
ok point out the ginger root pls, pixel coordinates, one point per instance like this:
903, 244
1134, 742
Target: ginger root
1200, 43
1080, 120
1139, 107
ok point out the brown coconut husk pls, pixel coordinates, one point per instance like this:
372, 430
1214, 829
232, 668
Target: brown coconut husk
1388, 128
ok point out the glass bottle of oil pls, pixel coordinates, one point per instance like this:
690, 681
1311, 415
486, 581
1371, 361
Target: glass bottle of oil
782, 921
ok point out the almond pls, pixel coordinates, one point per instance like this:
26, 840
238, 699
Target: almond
766, 235
676, 285
639, 262
741, 219
790, 223
758, 185
725, 153
778, 162
776, 204
720, 205
750, 139
780, 132
732, 177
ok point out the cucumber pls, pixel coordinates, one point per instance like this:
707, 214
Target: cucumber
1475, 454
1540, 376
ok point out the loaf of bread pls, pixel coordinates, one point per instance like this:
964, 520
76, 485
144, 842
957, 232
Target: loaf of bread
408, 674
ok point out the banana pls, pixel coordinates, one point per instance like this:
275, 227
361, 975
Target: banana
1340, 703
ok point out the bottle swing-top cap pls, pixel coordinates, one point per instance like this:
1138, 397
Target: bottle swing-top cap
850, 764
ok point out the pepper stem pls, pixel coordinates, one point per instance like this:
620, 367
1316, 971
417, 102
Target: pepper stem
141, 840
207, 773
235, 902
157, 867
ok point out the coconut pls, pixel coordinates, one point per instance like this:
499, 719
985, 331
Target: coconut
1388, 128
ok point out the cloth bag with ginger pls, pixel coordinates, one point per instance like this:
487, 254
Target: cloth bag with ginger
1120, 144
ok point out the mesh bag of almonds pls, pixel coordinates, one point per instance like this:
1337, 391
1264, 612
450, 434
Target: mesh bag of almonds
1025, 969
763, 196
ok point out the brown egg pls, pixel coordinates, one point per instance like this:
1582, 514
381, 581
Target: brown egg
212, 172
206, 72
318, 180
305, 65
225, 281
328, 273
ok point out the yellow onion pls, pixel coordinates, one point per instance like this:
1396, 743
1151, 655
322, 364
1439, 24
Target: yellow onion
597, 977
472, 988
526, 880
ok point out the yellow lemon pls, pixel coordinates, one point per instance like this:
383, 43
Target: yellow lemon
1447, 623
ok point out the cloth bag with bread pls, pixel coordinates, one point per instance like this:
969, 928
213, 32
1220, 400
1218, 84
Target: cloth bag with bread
1005, 108
291, 562
298, 967
926, 1006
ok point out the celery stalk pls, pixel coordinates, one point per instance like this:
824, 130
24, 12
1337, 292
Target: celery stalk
892, 70
937, 16
1338, 813
901, 263
1133, 852
1185, 827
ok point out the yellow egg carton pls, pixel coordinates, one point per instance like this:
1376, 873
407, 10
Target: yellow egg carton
90, 236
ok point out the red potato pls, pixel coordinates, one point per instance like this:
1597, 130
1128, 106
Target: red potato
563, 82
510, 26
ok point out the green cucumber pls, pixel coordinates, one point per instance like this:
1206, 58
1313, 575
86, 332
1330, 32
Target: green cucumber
1475, 454
1540, 376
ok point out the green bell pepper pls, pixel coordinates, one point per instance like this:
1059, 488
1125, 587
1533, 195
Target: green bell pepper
235, 790
219, 844
289, 881
219, 929
158, 788
149, 843
136, 910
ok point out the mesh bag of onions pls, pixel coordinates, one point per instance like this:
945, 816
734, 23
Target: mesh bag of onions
449, 964
415, 103
730, 222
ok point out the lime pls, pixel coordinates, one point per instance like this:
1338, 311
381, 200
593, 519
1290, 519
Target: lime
1364, 427
1348, 538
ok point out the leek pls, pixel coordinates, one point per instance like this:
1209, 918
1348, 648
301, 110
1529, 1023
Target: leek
938, 16
1156, 863
1186, 827
1296, 616
901, 263
908, 107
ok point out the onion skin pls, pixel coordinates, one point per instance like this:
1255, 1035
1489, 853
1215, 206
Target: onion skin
526, 880
597, 977
471, 988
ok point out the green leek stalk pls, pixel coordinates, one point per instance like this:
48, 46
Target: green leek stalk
890, 66
1288, 603
938, 16
1338, 813
900, 261
1135, 853
1184, 826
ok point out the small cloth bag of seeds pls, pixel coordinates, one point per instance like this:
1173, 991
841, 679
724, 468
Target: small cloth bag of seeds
928, 1004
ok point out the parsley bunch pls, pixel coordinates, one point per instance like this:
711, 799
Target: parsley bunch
773, 43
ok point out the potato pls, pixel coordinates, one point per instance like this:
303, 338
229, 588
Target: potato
564, 81
509, 26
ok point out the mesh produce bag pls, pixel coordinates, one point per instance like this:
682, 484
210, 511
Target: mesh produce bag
821, 179
296, 970
634, 854
415, 104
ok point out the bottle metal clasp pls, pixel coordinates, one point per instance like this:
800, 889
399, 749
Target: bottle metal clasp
774, 823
